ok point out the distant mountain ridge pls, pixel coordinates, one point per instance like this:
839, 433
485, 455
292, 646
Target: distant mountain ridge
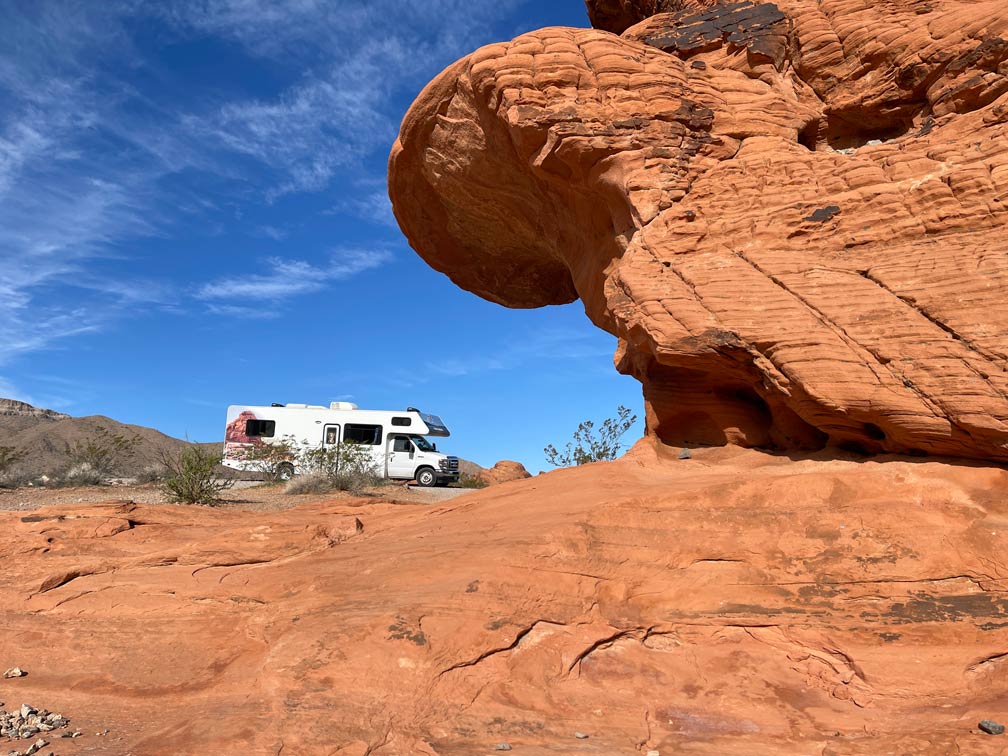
14, 408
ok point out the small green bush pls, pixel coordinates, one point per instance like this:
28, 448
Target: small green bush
591, 445
191, 477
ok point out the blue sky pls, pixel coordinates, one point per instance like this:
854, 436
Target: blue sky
193, 213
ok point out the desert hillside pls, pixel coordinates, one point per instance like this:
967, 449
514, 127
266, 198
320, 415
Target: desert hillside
42, 436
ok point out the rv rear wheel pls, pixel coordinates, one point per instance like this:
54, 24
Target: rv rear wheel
285, 471
425, 477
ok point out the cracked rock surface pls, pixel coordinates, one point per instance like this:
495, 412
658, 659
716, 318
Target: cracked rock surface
734, 603
791, 214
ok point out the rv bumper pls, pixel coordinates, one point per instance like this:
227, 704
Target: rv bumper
448, 469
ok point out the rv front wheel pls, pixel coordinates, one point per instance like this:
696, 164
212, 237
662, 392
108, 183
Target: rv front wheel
285, 471
425, 477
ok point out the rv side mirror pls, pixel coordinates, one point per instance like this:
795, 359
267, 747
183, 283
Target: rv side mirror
435, 446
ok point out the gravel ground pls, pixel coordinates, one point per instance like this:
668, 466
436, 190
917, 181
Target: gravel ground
246, 495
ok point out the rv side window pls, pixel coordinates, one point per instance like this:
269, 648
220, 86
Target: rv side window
403, 421
265, 428
362, 434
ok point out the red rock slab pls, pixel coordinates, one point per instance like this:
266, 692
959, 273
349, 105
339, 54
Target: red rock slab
732, 603
790, 214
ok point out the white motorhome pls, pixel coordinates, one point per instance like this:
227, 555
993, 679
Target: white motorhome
398, 440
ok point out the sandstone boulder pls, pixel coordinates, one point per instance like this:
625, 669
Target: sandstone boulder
502, 472
791, 215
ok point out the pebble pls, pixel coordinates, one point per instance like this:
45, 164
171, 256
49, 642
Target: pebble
581, 735
685, 454
14, 672
502, 747
653, 753
991, 727
27, 722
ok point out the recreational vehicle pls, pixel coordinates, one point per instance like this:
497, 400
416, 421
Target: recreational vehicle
398, 440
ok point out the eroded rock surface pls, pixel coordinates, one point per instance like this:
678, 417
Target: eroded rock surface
502, 472
791, 214
734, 603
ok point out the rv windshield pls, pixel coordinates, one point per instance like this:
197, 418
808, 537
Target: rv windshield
422, 443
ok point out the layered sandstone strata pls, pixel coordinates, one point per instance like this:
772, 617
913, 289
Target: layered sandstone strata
792, 216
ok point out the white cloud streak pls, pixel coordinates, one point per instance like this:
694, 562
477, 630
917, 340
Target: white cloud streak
85, 153
340, 112
289, 278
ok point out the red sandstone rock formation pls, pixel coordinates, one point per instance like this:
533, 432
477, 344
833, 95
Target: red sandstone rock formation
503, 471
735, 603
792, 215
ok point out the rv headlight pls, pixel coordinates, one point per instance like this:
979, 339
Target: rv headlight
443, 464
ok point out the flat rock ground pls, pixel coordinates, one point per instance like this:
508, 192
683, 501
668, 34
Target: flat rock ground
732, 603
246, 495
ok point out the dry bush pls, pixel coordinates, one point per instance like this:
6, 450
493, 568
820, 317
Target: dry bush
469, 481
274, 460
152, 474
347, 466
9, 457
102, 454
312, 483
80, 474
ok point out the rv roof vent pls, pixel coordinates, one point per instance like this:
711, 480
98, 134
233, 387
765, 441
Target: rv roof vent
277, 404
342, 406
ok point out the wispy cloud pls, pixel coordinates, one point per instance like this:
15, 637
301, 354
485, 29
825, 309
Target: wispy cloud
94, 162
339, 112
373, 207
289, 278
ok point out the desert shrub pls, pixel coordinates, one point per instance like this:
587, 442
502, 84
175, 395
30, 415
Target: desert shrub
591, 444
311, 483
347, 466
81, 474
270, 459
102, 454
9, 457
469, 481
191, 477
152, 474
